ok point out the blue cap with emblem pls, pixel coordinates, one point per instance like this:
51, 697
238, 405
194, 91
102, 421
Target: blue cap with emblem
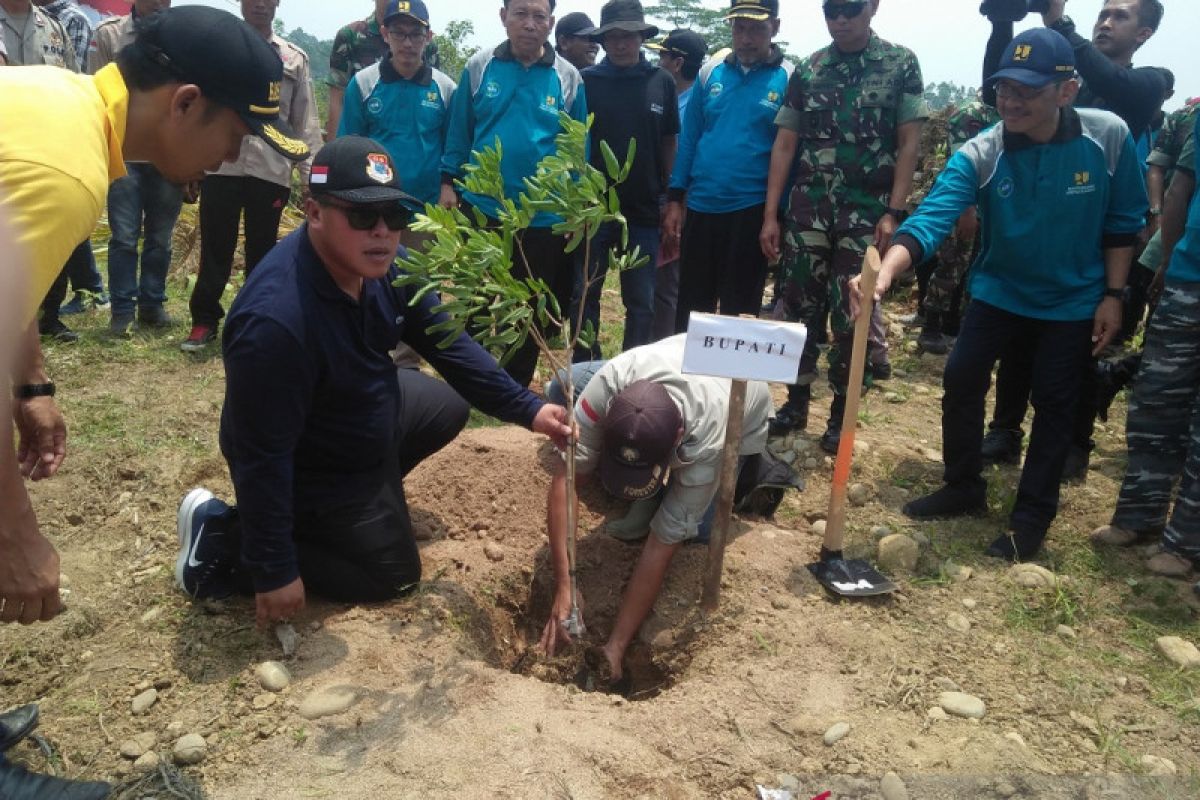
414, 9
1036, 57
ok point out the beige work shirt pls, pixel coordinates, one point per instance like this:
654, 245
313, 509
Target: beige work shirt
38, 40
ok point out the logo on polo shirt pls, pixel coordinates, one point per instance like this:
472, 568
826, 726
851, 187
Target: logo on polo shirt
491, 89
1005, 189
374, 105
550, 104
430, 100
771, 101
715, 90
655, 108
1083, 184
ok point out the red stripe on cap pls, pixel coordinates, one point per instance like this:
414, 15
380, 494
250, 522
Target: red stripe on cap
587, 409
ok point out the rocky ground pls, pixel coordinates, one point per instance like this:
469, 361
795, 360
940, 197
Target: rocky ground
975, 679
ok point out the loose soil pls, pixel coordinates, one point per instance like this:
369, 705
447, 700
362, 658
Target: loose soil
452, 703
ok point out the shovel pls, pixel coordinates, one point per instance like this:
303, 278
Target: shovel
850, 578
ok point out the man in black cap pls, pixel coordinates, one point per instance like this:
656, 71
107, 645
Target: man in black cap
572, 42
639, 419
319, 427
182, 96
632, 101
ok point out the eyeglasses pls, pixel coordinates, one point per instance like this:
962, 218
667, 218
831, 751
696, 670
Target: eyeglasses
365, 218
847, 10
1007, 90
401, 35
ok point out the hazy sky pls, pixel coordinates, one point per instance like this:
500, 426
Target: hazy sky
947, 35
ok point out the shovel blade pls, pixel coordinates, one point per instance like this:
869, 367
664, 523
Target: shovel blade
851, 578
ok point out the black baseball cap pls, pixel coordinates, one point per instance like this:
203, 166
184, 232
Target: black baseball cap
1036, 57
640, 432
682, 42
576, 23
231, 63
360, 171
407, 8
753, 9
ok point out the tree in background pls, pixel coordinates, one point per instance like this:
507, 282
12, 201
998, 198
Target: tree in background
945, 94
452, 51
709, 22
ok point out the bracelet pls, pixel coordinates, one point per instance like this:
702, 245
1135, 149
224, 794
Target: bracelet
898, 214
27, 391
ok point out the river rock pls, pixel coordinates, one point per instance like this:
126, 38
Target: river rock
141, 704
327, 701
811, 463
892, 788
836, 733
1178, 651
898, 553
1032, 576
818, 527
146, 762
893, 397
1065, 631
969, 603
880, 532
858, 494
787, 456
272, 676
136, 746
960, 704
262, 702
936, 714
957, 622
1156, 765
189, 749
493, 551
288, 638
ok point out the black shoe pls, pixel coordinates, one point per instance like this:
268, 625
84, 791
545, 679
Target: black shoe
1076, 466
207, 552
18, 783
880, 371
1001, 446
15, 725
948, 501
1014, 546
154, 317
56, 330
931, 339
120, 324
792, 415
833, 431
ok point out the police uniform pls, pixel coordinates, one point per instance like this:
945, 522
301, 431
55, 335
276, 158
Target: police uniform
258, 184
847, 109
954, 257
109, 38
38, 40
1164, 445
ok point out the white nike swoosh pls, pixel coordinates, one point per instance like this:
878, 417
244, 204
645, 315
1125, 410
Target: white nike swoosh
192, 562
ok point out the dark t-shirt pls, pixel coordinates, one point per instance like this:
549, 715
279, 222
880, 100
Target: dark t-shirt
638, 103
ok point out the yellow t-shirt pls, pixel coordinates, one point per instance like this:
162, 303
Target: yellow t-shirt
60, 148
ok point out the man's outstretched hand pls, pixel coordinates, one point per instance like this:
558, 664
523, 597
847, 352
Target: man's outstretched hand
551, 420
28, 569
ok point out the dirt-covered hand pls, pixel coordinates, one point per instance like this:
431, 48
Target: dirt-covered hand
1106, 324
554, 635
551, 420
28, 569
279, 605
42, 437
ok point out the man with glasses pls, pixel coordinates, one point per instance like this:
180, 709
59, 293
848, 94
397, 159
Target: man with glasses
319, 427
1047, 168
355, 46
853, 119
720, 173
404, 104
513, 93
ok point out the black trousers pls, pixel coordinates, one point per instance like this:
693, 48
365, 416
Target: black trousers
721, 264
1059, 356
223, 200
364, 551
1014, 383
79, 269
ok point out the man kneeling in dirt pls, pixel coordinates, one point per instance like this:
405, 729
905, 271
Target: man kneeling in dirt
319, 427
640, 420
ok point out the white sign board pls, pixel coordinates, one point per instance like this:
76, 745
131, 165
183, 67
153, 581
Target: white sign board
749, 349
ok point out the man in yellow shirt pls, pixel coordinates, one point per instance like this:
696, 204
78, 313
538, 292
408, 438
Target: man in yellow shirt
181, 97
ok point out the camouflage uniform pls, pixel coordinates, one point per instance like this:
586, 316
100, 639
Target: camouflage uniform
846, 109
357, 45
1176, 131
955, 255
1161, 431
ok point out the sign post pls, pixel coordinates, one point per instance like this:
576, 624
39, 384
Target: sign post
742, 349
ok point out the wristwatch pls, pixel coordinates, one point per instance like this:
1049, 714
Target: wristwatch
27, 391
1155, 211
898, 213
1119, 294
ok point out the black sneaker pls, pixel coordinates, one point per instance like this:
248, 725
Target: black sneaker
207, 553
931, 341
833, 430
1076, 467
1001, 446
120, 324
154, 317
880, 370
791, 416
56, 330
946, 502
18, 782
1014, 546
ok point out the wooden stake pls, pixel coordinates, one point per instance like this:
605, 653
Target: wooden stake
724, 514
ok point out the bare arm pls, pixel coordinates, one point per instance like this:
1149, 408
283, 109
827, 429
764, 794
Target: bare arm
554, 634
908, 140
783, 152
336, 97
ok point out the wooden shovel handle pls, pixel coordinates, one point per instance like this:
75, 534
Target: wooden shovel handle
835, 522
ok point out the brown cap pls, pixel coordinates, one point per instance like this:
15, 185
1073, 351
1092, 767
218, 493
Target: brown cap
641, 430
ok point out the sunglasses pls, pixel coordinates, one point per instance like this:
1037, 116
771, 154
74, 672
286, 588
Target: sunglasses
847, 10
365, 218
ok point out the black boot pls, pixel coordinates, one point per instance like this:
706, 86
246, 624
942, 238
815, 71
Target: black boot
792, 415
18, 783
15, 725
932, 340
833, 432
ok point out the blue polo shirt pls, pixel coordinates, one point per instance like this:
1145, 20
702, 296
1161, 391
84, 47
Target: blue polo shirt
311, 396
1184, 266
1047, 212
408, 117
728, 132
499, 98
